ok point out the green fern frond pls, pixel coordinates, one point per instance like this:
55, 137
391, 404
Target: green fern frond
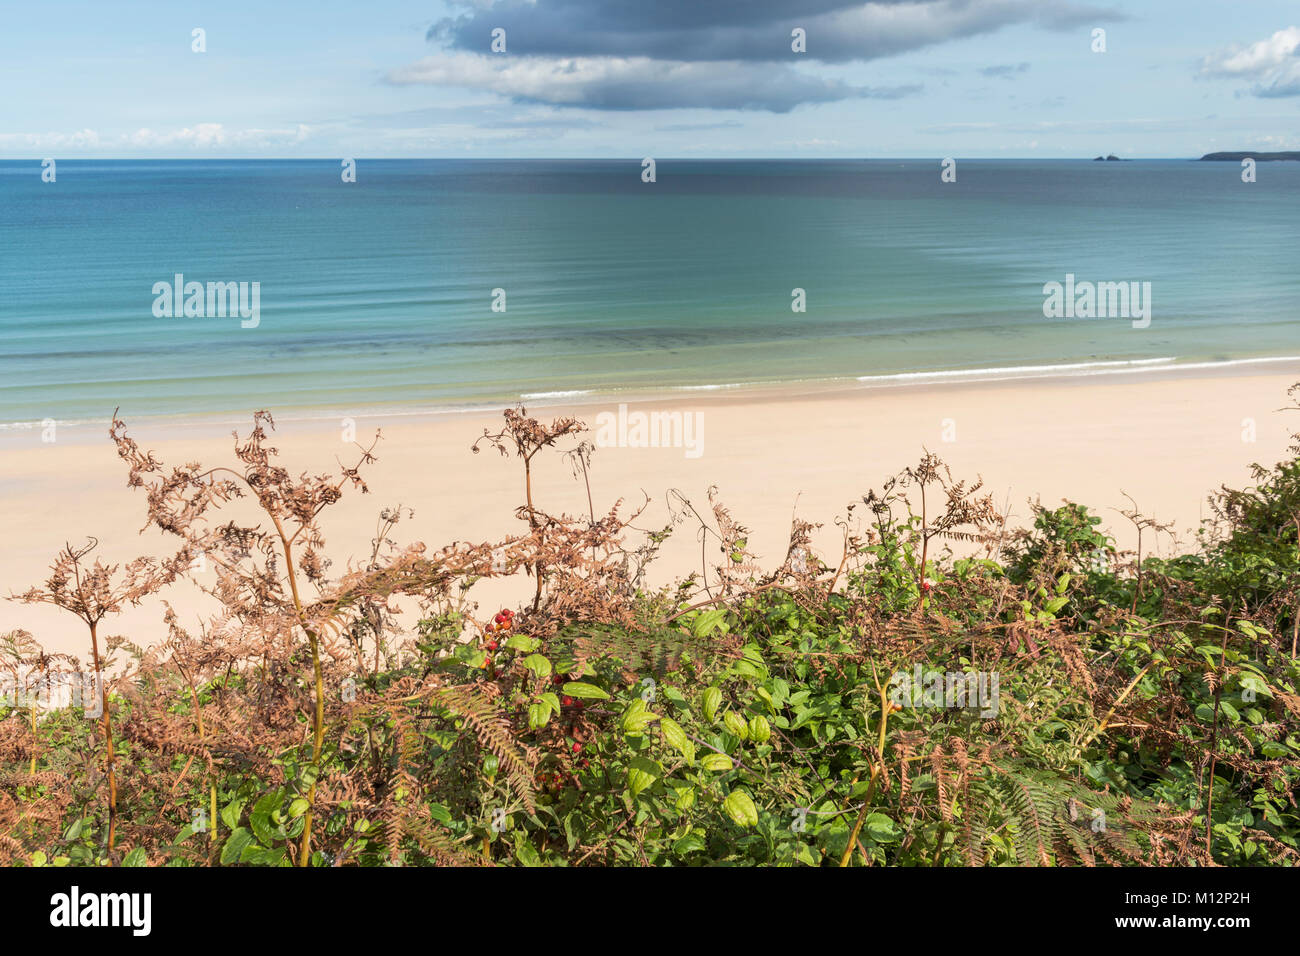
658, 651
490, 726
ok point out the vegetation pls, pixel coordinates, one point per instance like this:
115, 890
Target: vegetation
947, 691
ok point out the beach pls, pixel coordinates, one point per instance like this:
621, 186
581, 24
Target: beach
806, 328
1166, 437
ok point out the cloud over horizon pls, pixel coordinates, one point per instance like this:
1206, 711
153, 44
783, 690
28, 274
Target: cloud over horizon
638, 83
682, 54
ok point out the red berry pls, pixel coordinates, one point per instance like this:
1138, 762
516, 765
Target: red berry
500, 618
577, 748
557, 679
508, 613
566, 701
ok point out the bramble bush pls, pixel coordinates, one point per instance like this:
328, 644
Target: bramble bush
1143, 710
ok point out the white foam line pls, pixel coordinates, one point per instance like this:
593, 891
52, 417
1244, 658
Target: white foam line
1008, 373
1077, 370
1017, 370
1249, 361
569, 394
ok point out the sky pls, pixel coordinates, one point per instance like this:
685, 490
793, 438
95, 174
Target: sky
663, 78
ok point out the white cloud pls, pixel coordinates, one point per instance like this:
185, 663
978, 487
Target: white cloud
1273, 64
201, 136
636, 82
216, 136
84, 139
1254, 59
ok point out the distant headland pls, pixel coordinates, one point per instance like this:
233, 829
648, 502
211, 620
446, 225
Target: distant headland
1112, 158
1257, 157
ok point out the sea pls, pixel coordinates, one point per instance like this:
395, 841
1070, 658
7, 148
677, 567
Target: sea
444, 284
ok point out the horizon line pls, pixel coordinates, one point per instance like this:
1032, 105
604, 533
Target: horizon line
630, 158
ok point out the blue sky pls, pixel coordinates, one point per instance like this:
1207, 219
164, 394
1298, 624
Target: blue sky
966, 78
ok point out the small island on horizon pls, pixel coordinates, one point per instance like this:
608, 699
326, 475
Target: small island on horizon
1236, 157
1223, 157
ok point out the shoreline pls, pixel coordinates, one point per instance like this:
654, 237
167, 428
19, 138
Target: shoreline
18, 434
1168, 439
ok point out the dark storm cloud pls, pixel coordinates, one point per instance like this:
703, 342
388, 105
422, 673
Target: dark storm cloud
839, 31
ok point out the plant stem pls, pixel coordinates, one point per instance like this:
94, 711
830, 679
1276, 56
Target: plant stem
876, 771
532, 524
1295, 612
108, 739
1214, 745
925, 550
318, 716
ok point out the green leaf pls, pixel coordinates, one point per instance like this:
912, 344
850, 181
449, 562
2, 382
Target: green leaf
231, 813
712, 701
263, 856
740, 807
538, 715
690, 843
759, 729
525, 852
137, 857
235, 845
881, 828
736, 724
708, 622
259, 819
538, 664
717, 762
1252, 683
636, 717
674, 734
641, 772
585, 691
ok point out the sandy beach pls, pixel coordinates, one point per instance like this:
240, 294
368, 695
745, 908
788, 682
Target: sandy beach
1166, 437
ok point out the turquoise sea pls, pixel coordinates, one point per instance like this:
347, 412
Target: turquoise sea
378, 294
